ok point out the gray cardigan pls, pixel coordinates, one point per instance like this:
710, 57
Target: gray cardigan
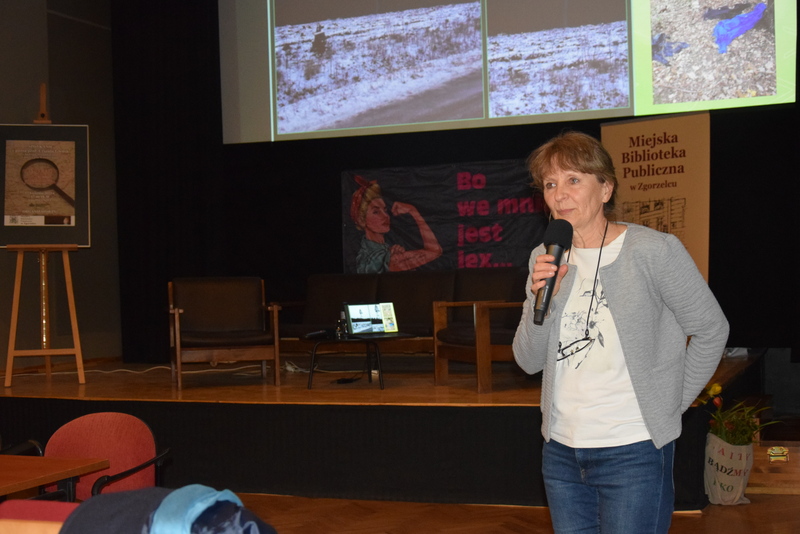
658, 299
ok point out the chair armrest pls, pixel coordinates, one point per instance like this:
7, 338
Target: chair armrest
485, 337
497, 304
274, 323
454, 303
482, 308
440, 315
105, 480
174, 326
27, 448
482, 318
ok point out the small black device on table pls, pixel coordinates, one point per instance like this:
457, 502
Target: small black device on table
366, 323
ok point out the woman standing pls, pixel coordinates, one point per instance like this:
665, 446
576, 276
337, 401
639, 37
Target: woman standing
618, 371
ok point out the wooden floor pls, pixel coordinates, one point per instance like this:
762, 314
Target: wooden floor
766, 514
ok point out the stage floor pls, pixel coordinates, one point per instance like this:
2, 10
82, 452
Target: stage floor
412, 441
408, 381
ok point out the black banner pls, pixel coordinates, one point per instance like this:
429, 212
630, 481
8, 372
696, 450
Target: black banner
458, 216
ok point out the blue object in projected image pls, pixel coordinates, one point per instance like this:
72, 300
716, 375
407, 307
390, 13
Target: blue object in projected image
662, 49
727, 30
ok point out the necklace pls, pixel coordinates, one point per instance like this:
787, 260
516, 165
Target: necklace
596, 272
585, 341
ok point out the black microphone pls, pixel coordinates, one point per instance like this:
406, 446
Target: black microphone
557, 239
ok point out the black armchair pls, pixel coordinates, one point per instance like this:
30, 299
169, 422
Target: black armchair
480, 328
222, 319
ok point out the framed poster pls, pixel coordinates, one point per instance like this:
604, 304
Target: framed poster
45, 184
664, 170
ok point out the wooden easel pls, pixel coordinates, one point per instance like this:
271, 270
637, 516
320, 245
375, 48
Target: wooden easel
43, 117
45, 351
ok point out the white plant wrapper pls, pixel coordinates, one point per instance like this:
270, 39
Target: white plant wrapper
727, 469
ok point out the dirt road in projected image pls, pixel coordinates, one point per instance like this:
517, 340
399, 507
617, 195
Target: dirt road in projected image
461, 98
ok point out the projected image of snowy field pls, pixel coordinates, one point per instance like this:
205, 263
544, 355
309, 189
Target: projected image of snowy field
403, 67
558, 70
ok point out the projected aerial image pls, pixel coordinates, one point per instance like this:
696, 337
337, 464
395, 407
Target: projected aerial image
373, 63
707, 50
552, 56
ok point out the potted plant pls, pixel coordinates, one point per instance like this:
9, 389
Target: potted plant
729, 448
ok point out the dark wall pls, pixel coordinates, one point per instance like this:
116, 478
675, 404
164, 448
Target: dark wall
188, 205
66, 45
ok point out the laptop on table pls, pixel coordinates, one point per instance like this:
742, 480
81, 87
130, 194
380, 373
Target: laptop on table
373, 320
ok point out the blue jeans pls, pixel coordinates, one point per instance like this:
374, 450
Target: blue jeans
610, 490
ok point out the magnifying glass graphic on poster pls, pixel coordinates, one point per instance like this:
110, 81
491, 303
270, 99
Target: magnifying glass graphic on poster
41, 174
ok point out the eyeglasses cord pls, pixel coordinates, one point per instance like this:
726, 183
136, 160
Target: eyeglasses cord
594, 285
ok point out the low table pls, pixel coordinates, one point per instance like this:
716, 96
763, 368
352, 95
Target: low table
371, 343
19, 473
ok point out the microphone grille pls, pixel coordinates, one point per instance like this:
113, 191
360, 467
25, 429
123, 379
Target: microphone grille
559, 232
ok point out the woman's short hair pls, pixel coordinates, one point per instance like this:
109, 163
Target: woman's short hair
575, 151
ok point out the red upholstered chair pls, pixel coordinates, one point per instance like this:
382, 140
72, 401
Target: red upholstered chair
126, 441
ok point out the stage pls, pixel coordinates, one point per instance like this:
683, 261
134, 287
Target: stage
411, 441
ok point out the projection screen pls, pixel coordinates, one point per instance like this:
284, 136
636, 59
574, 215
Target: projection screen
294, 69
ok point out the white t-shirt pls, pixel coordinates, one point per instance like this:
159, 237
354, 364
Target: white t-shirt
594, 404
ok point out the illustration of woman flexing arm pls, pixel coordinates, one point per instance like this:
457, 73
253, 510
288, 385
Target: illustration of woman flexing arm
368, 211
